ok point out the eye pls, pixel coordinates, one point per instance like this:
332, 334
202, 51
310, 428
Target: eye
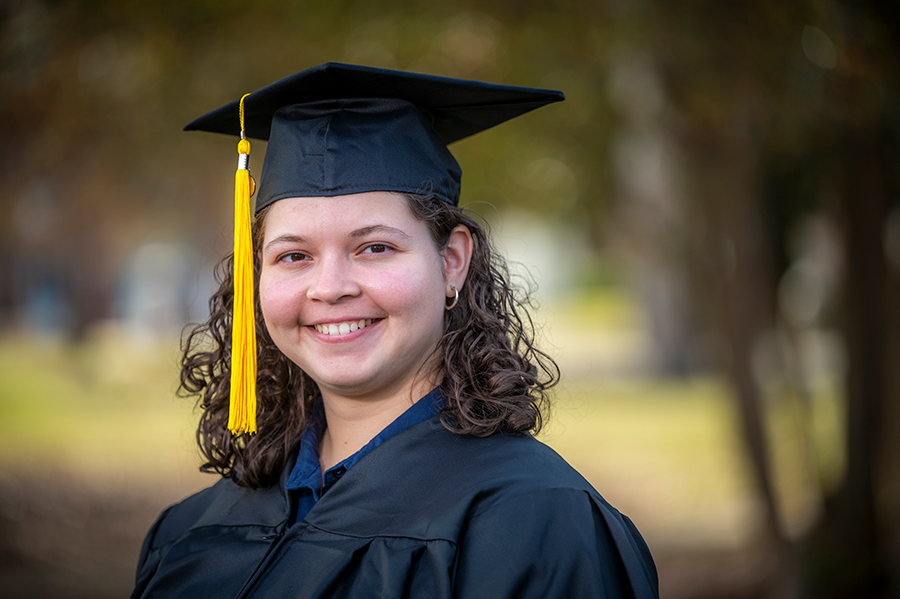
376, 248
293, 257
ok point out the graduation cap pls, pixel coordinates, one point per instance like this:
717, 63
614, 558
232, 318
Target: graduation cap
339, 129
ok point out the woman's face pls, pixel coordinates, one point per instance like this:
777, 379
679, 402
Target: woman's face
353, 290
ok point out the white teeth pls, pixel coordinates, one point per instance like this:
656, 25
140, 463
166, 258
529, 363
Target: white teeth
343, 328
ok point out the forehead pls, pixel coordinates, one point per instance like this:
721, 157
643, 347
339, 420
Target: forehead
340, 215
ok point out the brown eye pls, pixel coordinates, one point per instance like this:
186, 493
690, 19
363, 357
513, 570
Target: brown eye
293, 257
377, 248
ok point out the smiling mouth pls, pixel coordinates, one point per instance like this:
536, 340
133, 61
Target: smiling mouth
343, 328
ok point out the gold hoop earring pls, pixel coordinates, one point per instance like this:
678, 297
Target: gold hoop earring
455, 298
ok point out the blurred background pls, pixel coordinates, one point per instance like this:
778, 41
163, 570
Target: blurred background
711, 221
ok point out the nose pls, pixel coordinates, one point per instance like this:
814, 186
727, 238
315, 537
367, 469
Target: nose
332, 281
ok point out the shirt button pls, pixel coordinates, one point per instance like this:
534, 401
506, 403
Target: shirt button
339, 472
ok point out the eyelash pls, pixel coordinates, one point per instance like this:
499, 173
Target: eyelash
284, 257
374, 248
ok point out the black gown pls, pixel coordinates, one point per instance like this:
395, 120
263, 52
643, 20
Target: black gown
427, 514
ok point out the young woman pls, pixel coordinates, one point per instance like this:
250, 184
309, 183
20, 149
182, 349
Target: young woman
397, 380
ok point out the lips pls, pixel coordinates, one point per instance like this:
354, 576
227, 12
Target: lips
343, 328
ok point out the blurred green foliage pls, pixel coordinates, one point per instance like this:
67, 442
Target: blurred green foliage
698, 141
93, 410
101, 413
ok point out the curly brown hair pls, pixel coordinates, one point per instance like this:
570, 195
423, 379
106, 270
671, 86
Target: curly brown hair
494, 376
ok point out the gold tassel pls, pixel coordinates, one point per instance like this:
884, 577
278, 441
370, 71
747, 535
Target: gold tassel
242, 408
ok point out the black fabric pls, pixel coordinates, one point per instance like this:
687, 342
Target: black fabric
339, 147
458, 107
426, 514
337, 129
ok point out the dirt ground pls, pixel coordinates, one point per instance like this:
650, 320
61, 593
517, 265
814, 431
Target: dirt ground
64, 539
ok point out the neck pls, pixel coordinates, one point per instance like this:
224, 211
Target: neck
354, 421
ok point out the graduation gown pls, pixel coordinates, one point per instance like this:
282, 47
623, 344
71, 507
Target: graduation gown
427, 514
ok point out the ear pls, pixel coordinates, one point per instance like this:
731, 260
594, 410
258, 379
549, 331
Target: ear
457, 256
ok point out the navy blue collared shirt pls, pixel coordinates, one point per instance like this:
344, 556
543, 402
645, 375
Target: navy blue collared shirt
307, 479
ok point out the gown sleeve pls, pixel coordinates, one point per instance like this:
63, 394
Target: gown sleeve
553, 543
149, 559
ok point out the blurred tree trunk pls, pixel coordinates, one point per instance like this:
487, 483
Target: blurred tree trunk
746, 316
720, 82
843, 557
847, 555
889, 466
724, 178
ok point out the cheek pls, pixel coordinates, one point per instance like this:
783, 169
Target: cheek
278, 301
414, 292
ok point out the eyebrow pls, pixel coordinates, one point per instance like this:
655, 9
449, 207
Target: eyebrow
287, 238
355, 234
378, 229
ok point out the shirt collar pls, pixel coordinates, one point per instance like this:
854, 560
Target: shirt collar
307, 472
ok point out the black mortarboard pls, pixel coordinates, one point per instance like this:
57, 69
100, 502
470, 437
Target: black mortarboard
337, 129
